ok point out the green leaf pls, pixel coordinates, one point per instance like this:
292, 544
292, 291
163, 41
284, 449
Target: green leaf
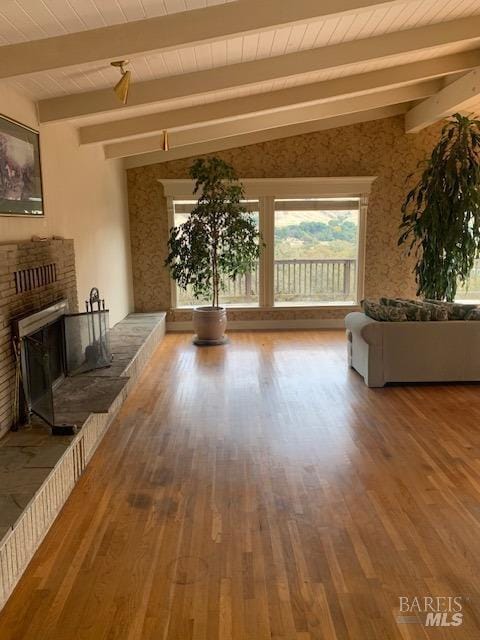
219, 239
440, 215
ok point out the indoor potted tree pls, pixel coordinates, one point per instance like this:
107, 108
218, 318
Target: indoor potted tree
441, 214
218, 241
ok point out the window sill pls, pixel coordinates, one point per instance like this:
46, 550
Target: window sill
283, 307
468, 301
310, 305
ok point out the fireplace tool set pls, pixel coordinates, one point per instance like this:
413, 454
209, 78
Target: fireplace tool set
96, 352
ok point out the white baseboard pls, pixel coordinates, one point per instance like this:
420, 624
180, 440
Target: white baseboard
266, 325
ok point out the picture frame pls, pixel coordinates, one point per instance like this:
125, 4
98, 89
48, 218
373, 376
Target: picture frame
21, 188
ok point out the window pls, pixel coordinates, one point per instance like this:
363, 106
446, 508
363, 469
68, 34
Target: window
470, 291
316, 247
244, 291
313, 231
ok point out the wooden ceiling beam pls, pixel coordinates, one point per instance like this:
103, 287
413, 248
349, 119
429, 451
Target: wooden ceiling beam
155, 155
173, 31
265, 121
457, 96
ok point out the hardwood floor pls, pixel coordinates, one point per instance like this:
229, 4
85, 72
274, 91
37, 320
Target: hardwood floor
259, 490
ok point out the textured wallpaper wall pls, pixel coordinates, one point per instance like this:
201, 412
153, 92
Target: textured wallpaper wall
378, 148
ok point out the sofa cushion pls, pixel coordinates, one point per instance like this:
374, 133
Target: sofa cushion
414, 310
383, 313
455, 310
402, 309
436, 312
473, 314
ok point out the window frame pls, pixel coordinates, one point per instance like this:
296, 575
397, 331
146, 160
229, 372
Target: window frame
266, 191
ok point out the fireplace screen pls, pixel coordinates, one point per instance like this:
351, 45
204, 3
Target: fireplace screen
86, 341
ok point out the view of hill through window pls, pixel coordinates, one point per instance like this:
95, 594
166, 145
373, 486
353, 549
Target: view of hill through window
315, 253
320, 234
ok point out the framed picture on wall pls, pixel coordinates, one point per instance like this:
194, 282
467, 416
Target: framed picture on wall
21, 191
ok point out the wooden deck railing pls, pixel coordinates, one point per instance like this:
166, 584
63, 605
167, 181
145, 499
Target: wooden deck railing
326, 280
329, 279
295, 281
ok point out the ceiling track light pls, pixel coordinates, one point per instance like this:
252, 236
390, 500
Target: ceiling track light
123, 85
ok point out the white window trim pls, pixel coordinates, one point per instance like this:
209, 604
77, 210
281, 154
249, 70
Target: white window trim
354, 186
266, 190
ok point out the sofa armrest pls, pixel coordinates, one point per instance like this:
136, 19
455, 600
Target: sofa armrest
365, 351
367, 328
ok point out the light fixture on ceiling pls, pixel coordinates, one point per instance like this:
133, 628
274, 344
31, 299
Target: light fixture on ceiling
165, 146
123, 85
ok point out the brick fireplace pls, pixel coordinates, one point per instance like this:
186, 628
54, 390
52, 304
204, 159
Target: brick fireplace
33, 275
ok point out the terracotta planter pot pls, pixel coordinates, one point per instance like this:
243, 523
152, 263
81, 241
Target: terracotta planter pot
209, 325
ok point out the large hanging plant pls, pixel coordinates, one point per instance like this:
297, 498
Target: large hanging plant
441, 214
220, 239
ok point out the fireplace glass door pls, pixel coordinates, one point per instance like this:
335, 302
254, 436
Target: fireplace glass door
39, 379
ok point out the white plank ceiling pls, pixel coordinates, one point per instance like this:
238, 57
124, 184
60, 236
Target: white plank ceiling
207, 127
24, 20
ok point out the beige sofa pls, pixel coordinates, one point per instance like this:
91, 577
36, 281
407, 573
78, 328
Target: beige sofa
413, 351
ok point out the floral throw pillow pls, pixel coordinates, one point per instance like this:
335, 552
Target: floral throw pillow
455, 310
437, 312
383, 313
414, 310
473, 314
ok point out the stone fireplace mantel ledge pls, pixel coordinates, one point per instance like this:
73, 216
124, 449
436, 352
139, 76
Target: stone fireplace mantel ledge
38, 470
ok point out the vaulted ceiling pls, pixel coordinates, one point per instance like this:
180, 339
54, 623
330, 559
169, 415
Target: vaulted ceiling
218, 74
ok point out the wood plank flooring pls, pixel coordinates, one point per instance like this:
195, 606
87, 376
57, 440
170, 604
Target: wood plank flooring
260, 491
